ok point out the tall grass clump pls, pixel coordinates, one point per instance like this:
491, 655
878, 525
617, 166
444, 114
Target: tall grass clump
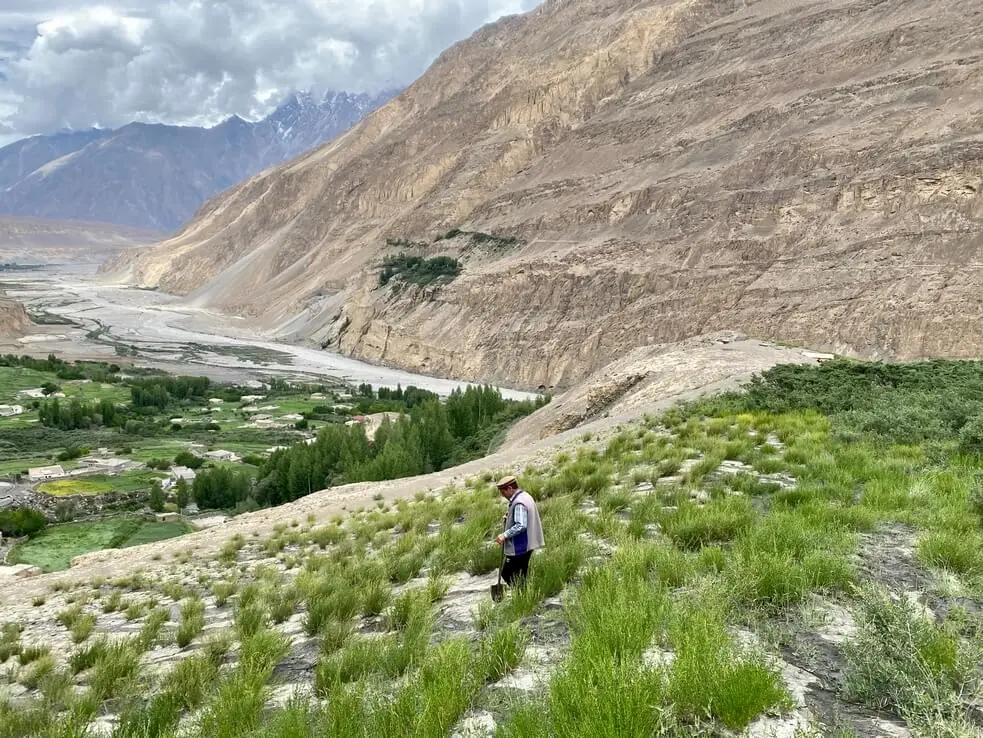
958, 551
114, 669
10, 644
82, 627
693, 526
30, 654
501, 651
710, 678
152, 626
604, 687
430, 705
783, 558
192, 622
237, 705
183, 689
222, 591
250, 619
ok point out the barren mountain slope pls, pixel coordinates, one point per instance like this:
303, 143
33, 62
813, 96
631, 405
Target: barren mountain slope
38, 241
14, 320
808, 171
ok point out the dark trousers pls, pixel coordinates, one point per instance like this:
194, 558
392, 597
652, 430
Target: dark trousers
516, 568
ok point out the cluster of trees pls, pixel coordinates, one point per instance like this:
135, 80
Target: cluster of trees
158, 499
367, 400
432, 435
97, 371
222, 488
417, 270
188, 459
21, 521
74, 414
160, 393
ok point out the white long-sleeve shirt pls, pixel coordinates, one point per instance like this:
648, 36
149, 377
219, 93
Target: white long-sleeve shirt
521, 518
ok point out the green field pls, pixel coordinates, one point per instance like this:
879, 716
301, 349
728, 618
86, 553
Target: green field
14, 379
100, 484
54, 549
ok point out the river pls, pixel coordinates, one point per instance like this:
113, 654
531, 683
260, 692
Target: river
109, 321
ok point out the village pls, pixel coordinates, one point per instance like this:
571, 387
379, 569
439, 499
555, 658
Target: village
103, 462
113, 478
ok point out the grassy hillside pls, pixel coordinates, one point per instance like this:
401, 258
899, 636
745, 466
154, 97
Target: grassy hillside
805, 558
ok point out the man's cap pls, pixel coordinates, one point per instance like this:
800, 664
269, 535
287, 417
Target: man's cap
507, 482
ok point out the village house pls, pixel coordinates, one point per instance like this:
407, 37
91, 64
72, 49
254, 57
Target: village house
222, 455
252, 398
108, 464
44, 473
178, 473
264, 423
9, 411
292, 416
216, 401
38, 394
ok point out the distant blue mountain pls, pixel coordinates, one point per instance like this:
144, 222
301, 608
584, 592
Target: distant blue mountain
157, 176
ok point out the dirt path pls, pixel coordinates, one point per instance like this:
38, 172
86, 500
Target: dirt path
663, 376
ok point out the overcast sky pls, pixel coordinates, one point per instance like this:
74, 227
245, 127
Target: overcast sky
75, 64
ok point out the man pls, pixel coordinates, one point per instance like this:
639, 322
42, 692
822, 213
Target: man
523, 531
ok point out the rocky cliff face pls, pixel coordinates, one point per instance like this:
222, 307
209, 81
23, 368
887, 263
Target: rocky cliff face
14, 321
805, 171
157, 176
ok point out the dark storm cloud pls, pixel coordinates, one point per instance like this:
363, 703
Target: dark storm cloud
69, 64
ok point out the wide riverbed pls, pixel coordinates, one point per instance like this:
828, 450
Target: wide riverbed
109, 322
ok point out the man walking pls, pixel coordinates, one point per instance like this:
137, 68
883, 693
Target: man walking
523, 531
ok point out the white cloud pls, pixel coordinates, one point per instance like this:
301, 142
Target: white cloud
197, 61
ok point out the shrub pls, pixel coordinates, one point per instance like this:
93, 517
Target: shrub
971, 435
188, 459
901, 659
21, 521
417, 270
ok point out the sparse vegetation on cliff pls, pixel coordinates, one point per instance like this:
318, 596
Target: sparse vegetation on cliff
481, 239
417, 270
